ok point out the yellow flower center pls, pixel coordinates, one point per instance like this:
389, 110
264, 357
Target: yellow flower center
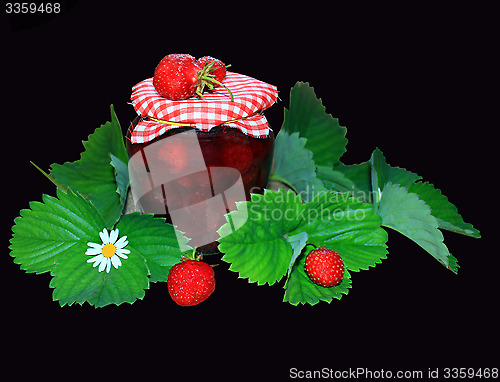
108, 250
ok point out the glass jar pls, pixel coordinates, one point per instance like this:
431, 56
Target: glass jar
193, 178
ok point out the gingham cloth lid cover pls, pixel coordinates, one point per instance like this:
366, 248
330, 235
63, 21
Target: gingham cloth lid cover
215, 108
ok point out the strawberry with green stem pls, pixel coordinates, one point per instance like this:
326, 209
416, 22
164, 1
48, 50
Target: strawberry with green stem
191, 282
180, 76
215, 73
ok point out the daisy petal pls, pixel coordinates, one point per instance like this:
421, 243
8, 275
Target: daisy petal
122, 242
93, 251
115, 260
122, 253
98, 261
108, 264
94, 245
104, 236
113, 235
94, 259
102, 265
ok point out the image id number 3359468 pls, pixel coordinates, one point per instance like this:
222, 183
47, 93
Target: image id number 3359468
32, 8
469, 372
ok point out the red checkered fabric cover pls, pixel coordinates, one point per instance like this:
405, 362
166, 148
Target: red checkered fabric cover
251, 96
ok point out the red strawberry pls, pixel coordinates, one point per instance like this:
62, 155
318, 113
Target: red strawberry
176, 76
212, 75
324, 267
217, 69
190, 282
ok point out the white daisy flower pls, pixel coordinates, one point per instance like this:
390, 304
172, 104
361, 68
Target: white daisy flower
109, 252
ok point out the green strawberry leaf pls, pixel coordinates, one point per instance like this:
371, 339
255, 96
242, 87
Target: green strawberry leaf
300, 289
382, 173
335, 180
453, 264
153, 251
54, 235
358, 174
365, 180
445, 212
368, 180
75, 280
406, 213
259, 250
306, 116
298, 243
122, 178
294, 166
156, 241
92, 175
57, 227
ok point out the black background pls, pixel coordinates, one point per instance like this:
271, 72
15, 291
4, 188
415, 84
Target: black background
412, 81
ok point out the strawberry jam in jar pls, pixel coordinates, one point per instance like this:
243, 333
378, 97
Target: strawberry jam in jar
192, 160
193, 178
